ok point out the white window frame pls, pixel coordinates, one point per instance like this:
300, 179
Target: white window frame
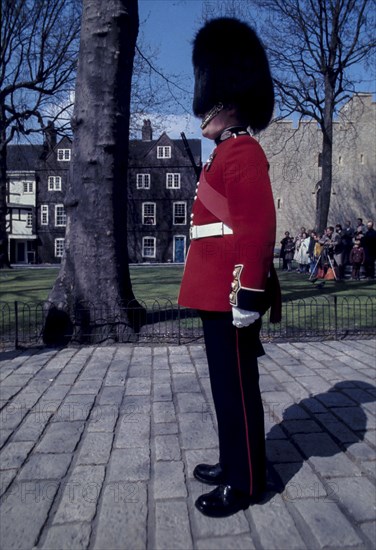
54, 183
153, 239
143, 181
163, 152
174, 215
59, 247
173, 180
145, 215
44, 214
28, 187
29, 219
63, 215
63, 155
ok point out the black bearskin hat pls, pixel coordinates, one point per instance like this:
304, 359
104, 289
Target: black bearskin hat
231, 67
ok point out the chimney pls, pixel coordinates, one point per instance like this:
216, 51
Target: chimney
147, 131
50, 136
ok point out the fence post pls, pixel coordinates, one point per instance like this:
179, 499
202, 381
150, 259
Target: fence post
179, 325
16, 324
335, 317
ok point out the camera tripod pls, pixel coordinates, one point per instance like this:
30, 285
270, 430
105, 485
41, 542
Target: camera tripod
330, 262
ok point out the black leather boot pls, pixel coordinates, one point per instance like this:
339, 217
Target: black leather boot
224, 501
208, 473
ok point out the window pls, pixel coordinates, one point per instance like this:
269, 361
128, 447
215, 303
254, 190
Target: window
54, 183
361, 158
340, 160
148, 213
143, 181
164, 152
28, 186
64, 154
29, 219
44, 214
148, 247
59, 248
180, 213
173, 181
279, 203
60, 215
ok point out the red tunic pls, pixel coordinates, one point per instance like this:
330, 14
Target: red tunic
239, 172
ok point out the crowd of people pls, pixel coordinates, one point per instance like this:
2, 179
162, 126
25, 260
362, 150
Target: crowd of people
326, 255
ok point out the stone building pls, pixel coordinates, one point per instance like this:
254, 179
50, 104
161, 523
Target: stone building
294, 156
161, 186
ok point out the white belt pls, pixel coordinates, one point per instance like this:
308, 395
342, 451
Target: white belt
209, 230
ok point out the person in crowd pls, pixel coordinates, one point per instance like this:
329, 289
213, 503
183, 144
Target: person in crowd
289, 252
311, 253
348, 234
301, 255
357, 257
338, 251
360, 227
283, 250
229, 275
369, 245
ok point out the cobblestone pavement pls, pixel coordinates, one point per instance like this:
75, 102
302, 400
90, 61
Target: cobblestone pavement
98, 445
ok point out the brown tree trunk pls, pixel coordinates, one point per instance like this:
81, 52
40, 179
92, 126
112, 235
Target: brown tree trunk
323, 203
95, 268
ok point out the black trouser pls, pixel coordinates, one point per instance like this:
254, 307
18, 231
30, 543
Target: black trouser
232, 358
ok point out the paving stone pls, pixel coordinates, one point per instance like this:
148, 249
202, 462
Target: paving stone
191, 402
321, 517
138, 386
70, 536
133, 431
60, 437
300, 481
369, 529
111, 395
24, 512
165, 428
355, 418
241, 542
164, 411
197, 431
169, 480
86, 386
284, 533
6, 478
282, 451
14, 454
360, 452
75, 407
102, 418
185, 383
122, 517
301, 426
356, 494
95, 448
172, 530
167, 447
80, 495
32, 427
45, 466
162, 392
129, 465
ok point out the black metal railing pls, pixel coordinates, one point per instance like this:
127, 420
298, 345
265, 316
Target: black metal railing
162, 321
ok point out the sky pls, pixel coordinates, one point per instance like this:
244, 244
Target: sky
171, 26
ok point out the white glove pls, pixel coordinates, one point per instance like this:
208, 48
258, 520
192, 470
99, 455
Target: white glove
243, 317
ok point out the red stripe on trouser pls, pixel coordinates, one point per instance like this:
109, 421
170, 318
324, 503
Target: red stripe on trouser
245, 414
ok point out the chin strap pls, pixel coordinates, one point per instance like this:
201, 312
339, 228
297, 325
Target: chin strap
211, 114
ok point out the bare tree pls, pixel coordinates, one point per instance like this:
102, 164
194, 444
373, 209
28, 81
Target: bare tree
38, 54
314, 47
94, 269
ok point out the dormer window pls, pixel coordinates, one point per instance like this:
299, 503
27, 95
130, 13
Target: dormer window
64, 155
164, 152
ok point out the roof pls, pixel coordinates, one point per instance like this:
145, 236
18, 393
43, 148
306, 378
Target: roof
139, 148
23, 157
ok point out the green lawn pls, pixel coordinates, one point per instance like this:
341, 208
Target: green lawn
150, 283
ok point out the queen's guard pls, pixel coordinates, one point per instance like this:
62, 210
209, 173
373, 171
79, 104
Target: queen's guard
229, 275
